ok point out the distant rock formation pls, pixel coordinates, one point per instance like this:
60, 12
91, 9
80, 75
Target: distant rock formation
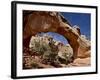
42, 21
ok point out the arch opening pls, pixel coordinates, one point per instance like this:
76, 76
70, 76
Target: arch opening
41, 21
50, 48
56, 36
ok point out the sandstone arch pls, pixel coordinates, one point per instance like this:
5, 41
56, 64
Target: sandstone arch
35, 22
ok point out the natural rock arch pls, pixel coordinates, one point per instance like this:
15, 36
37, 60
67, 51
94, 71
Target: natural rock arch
41, 21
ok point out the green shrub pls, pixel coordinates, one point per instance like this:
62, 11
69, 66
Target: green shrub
34, 65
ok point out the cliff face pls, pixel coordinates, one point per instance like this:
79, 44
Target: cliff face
36, 22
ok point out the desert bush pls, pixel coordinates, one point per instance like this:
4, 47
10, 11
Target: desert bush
50, 52
34, 65
49, 56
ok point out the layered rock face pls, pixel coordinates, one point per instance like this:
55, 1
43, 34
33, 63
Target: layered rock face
35, 22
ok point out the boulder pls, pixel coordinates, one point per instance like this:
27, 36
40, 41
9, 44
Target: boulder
65, 54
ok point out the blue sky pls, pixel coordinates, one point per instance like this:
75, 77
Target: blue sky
80, 19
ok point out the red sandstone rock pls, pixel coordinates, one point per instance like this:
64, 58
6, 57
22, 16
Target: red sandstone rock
40, 21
